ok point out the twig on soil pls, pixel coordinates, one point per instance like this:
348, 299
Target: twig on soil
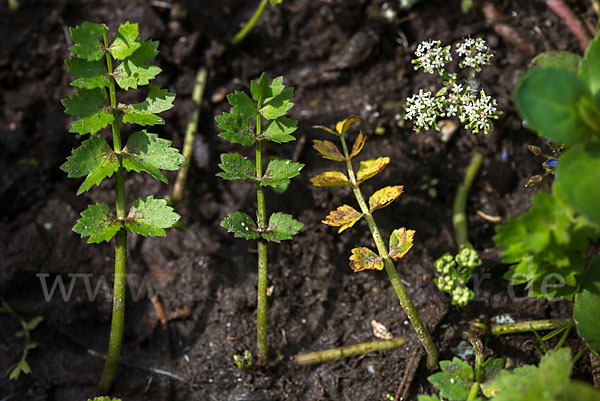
409, 374
188, 143
160, 312
347, 351
507, 32
571, 20
522, 327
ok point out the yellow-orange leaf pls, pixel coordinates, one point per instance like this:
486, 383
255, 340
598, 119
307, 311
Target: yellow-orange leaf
342, 126
365, 259
358, 144
328, 150
384, 197
326, 129
343, 217
330, 179
369, 168
401, 241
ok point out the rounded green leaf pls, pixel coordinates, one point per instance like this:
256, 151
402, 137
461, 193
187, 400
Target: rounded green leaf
241, 225
589, 70
149, 217
587, 305
547, 100
281, 227
578, 176
558, 59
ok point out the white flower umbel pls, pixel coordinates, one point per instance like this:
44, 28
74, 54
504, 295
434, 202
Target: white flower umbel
431, 56
454, 99
475, 53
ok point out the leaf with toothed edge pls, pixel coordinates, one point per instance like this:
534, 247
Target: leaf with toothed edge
125, 43
241, 225
149, 217
280, 130
281, 227
236, 167
279, 172
343, 217
90, 74
157, 101
401, 241
384, 197
365, 259
369, 168
87, 43
98, 223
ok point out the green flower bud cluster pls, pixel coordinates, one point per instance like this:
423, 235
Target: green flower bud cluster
455, 273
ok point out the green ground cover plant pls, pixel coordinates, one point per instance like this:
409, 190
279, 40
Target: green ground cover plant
99, 67
344, 217
250, 122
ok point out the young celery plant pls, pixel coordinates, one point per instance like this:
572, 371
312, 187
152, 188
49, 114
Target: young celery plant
244, 125
346, 216
95, 102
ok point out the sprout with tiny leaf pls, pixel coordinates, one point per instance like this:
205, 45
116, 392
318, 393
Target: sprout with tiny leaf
100, 67
249, 123
345, 216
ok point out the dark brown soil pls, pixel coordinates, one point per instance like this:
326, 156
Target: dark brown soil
316, 300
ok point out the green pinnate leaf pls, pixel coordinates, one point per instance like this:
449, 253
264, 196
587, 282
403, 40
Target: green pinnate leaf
237, 128
401, 241
547, 99
98, 223
91, 74
147, 51
328, 150
149, 217
94, 159
365, 259
242, 104
277, 100
92, 105
258, 89
87, 44
454, 381
369, 168
343, 217
281, 227
241, 225
587, 305
236, 167
125, 42
280, 130
157, 101
129, 75
279, 172
147, 152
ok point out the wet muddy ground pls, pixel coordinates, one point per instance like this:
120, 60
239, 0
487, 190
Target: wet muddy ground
344, 58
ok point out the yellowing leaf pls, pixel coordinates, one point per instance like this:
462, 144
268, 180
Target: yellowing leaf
343, 217
384, 197
342, 126
328, 150
369, 168
358, 144
330, 179
365, 259
324, 128
401, 241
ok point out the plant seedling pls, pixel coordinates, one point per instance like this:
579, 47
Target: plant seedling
454, 99
15, 370
401, 239
249, 123
455, 273
95, 102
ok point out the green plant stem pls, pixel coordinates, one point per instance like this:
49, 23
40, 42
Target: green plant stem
523, 327
118, 312
347, 351
188, 142
391, 271
262, 344
251, 22
459, 209
473, 392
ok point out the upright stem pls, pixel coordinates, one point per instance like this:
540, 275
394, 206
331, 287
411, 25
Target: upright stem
390, 269
459, 209
262, 345
248, 27
118, 312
